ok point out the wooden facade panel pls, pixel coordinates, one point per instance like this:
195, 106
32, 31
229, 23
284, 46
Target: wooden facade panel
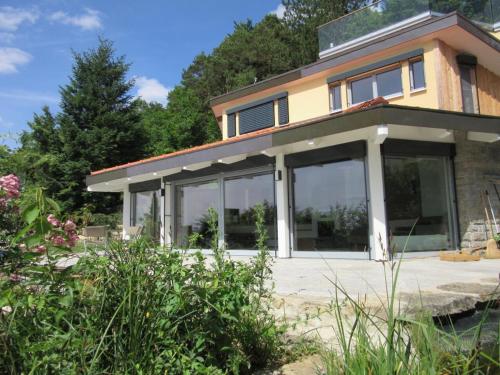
488, 89
448, 76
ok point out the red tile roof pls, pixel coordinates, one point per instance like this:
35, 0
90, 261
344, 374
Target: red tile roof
255, 134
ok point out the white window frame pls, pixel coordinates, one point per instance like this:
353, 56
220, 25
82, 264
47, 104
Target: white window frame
412, 82
330, 87
373, 76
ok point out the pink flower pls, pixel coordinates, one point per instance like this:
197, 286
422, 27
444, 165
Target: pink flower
72, 239
53, 221
69, 226
14, 277
11, 185
58, 240
40, 249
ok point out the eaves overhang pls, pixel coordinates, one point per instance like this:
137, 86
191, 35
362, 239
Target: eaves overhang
429, 26
314, 128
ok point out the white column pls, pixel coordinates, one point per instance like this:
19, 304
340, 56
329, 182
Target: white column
126, 212
378, 235
282, 208
167, 213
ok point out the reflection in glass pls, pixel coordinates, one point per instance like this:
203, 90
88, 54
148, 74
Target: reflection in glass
192, 209
241, 195
417, 75
146, 213
330, 210
389, 83
417, 191
361, 90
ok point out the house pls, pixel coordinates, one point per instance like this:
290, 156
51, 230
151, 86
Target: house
394, 130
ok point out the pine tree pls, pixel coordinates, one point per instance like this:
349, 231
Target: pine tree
99, 124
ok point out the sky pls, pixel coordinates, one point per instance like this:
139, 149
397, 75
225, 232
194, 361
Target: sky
159, 38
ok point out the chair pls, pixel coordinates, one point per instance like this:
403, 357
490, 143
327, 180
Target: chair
97, 235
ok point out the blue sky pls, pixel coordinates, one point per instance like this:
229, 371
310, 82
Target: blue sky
159, 38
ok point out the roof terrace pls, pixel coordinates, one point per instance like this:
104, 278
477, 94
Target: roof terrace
385, 16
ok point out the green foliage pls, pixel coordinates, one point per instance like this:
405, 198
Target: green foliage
387, 341
142, 311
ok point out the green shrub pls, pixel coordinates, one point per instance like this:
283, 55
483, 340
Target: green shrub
139, 310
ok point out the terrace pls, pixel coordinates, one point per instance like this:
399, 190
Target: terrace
385, 16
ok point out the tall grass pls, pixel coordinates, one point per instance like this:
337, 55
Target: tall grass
388, 341
140, 310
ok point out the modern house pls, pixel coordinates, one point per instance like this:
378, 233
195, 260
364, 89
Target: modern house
394, 129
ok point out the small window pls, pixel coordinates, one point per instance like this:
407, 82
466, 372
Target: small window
361, 90
417, 77
335, 98
389, 83
469, 91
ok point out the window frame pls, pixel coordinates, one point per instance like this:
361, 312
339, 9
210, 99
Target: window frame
412, 81
332, 86
373, 75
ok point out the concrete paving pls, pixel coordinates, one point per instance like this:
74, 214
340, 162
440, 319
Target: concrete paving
312, 277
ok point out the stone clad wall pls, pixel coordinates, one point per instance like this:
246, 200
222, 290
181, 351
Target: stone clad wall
473, 161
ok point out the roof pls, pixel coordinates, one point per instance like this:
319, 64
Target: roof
384, 42
374, 112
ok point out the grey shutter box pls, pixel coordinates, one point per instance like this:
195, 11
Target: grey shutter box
231, 125
346, 151
256, 118
283, 110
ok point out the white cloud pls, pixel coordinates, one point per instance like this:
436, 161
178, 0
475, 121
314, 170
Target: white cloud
11, 18
279, 11
11, 58
90, 20
150, 90
29, 96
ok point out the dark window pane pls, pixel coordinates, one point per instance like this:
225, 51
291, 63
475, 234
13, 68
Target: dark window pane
192, 211
417, 192
389, 83
335, 98
330, 207
417, 75
231, 125
283, 110
241, 195
146, 213
361, 90
467, 89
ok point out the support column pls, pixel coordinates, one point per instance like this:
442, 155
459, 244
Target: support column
166, 229
378, 234
282, 207
126, 212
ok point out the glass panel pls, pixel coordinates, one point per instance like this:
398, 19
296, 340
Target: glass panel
330, 211
467, 88
241, 195
335, 98
417, 74
389, 83
192, 204
361, 90
146, 213
417, 190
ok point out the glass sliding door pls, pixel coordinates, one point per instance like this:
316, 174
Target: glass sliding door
330, 207
146, 213
192, 205
241, 196
418, 193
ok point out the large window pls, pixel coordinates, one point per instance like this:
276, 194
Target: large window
241, 196
417, 76
418, 196
145, 212
386, 83
330, 207
193, 203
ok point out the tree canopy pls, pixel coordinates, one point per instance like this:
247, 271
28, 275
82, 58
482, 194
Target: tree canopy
100, 124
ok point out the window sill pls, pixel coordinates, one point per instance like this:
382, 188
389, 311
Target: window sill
335, 110
394, 96
418, 91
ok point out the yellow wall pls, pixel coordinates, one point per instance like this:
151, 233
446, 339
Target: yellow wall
309, 97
